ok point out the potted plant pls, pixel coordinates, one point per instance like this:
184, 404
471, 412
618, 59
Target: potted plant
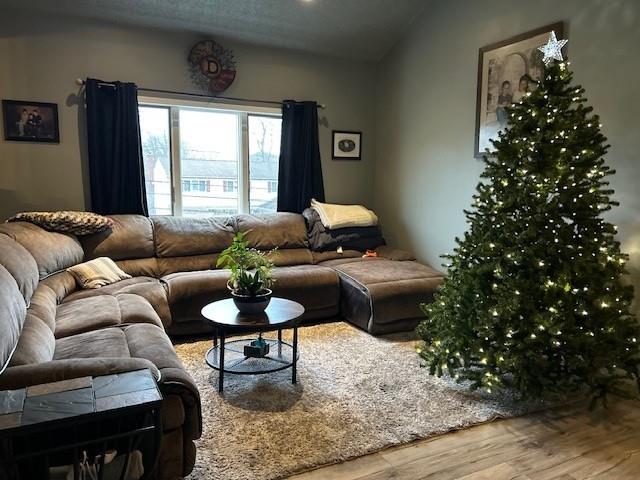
250, 278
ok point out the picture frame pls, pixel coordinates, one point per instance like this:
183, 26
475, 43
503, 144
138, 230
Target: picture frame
26, 121
346, 145
506, 70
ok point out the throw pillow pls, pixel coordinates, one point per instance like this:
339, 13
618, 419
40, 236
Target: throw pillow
78, 223
97, 273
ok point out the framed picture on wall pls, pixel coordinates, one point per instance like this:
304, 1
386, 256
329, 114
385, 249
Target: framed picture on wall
26, 121
507, 70
347, 145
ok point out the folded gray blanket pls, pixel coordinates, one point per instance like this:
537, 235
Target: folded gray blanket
322, 239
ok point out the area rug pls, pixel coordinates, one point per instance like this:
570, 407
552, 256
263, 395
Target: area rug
356, 394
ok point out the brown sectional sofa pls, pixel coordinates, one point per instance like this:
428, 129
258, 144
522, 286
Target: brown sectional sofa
51, 330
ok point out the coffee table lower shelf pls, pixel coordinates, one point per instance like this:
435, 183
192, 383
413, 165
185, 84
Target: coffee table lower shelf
282, 355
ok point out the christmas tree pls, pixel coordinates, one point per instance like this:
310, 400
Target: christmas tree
533, 299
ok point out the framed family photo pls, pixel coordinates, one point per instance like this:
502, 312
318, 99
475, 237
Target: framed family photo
347, 145
26, 121
507, 70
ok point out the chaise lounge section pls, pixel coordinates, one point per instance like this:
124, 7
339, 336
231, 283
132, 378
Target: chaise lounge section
56, 331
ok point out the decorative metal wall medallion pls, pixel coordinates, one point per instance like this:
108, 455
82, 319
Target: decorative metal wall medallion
212, 67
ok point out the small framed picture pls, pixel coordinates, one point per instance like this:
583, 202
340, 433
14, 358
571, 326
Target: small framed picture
26, 121
347, 145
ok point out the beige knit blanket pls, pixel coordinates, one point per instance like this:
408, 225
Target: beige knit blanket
341, 216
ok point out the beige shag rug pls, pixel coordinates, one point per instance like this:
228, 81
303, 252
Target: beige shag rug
356, 394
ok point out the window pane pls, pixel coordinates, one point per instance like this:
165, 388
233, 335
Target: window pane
264, 153
156, 152
209, 156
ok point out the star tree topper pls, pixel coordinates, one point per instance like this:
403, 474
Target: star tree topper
553, 49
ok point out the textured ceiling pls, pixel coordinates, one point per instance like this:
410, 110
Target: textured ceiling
357, 29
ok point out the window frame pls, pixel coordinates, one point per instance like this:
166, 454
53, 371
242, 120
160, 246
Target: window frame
242, 112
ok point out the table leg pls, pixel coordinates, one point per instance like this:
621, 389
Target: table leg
295, 355
279, 342
215, 336
221, 379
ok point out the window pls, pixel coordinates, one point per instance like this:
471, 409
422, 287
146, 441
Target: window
156, 154
209, 160
229, 186
264, 154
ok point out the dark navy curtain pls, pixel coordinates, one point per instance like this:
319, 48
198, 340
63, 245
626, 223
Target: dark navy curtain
300, 170
116, 168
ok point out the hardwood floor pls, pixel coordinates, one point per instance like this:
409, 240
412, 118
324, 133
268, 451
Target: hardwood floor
568, 443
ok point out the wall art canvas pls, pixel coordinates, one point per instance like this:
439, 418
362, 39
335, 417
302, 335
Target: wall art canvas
507, 70
26, 121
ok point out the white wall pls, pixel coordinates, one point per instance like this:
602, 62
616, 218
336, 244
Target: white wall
41, 57
425, 170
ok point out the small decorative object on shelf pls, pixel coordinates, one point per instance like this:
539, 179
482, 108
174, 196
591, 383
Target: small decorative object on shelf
250, 277
258, 348
213, 68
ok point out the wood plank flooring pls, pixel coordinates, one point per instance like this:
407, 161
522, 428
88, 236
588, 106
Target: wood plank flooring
568, 443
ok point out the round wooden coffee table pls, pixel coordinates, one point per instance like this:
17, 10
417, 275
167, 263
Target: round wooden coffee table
253, 356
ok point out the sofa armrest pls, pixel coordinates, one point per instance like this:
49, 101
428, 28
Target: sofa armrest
57, 370
176, 381
391, 253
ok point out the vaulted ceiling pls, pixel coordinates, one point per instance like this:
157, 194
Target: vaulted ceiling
355, 29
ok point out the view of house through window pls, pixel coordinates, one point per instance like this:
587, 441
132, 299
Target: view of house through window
209, 161
264, 153
156, 152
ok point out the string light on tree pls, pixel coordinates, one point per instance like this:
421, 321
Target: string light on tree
534, 286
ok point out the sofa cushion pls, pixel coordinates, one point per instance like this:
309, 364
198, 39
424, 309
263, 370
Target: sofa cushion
96, 273
191, 263
93, 313
392, 253
36, 344
316, 288
140, 267
320, 257
370, 271
149, 289
150, 342
43, 305
86, 314
183, 236
182, 286
277, 230
292, 256
130, 236
136, 309
20, 264
62, 284
108, 342
52, 251
383, 296
13, 311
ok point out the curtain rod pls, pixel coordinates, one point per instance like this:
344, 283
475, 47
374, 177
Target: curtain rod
81, 82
